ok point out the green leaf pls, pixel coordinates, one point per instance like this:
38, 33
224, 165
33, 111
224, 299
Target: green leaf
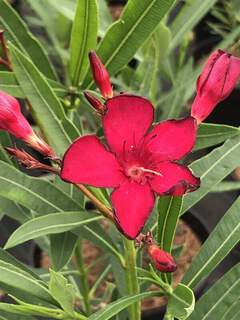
122, 40
83, 38
169, 209
115, 307
95, 234
8, 258
62, 291
45, 105
29, 309
18, 33
19, 279
61, 249
220, 297
212, 134
33, 193
14, 210
188, 17
9, 84
181, 303
227, 186
233, 312
50, 224
104, 17
220, 242
213, 168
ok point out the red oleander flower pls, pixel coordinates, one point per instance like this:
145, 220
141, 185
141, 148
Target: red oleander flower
13, 121
162, 260
137, 163
216, 82
100, 75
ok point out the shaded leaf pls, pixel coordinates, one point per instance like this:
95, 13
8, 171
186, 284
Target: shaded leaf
220, 242
18, 33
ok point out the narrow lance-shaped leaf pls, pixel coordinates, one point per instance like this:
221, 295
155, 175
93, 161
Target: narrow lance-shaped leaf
115, 307
220, 242
190, 14
16, 278
219, 298
50, 224
46, 107
212, 134
137, 22
9, 84
83, 38
18, 33
33, 193
212, 169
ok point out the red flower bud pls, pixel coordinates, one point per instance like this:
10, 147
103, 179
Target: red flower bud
162, 260
13, 121
216, 82
95, 103
11, 118
100, 75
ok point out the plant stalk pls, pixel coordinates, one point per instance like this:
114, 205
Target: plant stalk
131, 277
83, 277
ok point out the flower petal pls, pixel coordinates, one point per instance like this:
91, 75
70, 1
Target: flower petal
175, 179
87, 161
127, 120
171, 139
133, 204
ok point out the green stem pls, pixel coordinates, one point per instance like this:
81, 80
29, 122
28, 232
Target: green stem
131, 278
83, 277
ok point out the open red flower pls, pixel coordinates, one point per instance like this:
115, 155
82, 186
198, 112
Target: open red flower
137, 164
216, 82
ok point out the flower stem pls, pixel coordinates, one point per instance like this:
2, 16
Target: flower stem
107, 212
131, 278
83, 277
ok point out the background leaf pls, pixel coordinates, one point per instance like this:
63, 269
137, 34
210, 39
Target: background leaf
45, 105
212, 169
137, 22
212, 134
219, 298
83, 38
220, 242
18, 33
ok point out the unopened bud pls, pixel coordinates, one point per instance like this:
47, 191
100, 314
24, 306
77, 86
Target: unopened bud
161, 259
100, 75
217, 80
13, 121
95, 103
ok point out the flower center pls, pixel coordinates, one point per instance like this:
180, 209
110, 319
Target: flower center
140, 174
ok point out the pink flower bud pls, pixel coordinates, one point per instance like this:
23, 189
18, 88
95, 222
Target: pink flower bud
11, 118
95, 103
100, 75
216, 82
13, 121
162, 260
